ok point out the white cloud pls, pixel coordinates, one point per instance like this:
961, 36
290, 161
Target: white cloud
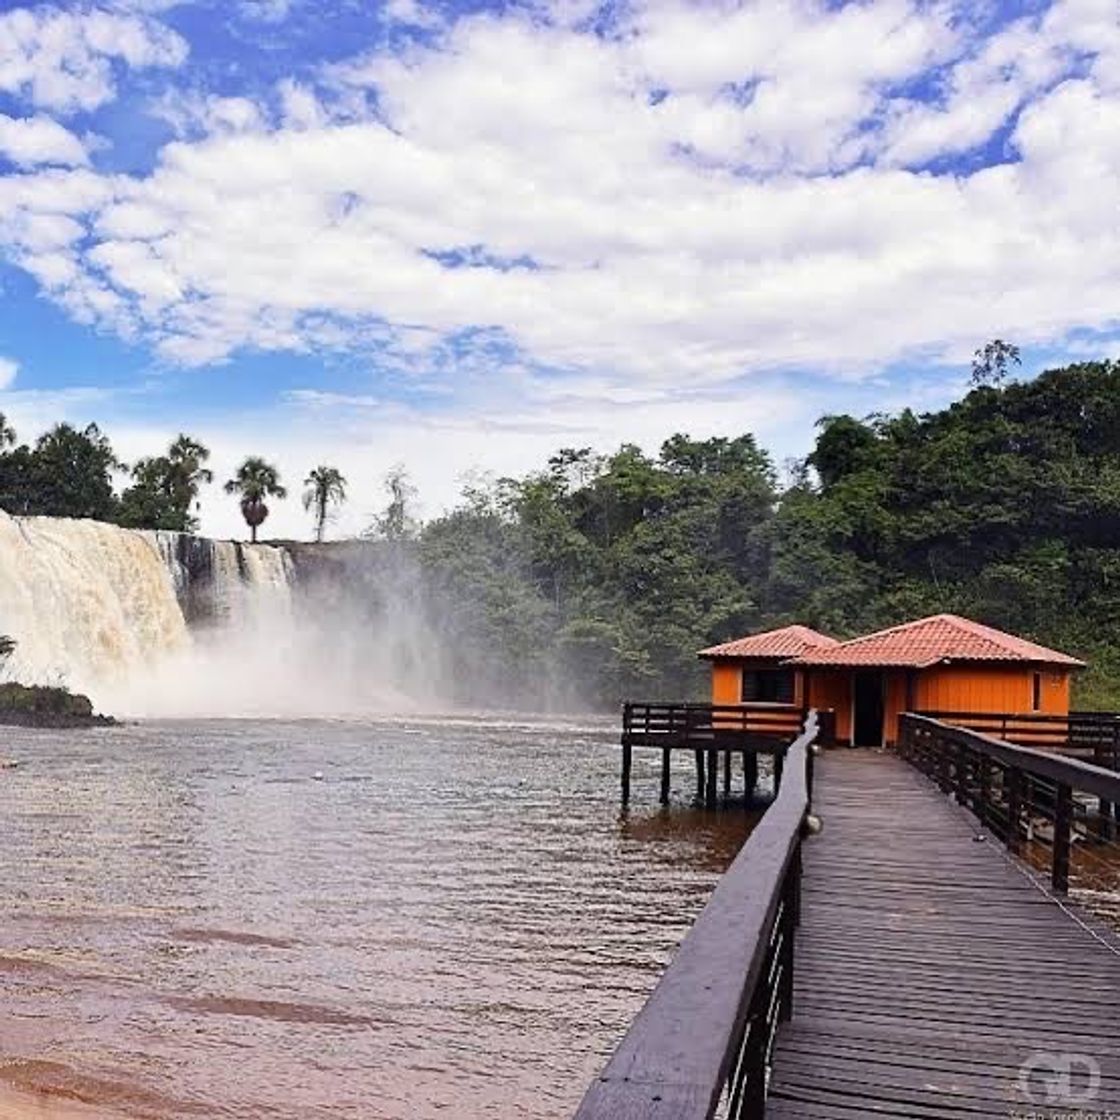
8, 370
31, 141
196, 114
265, 11
64, 60
411, 13
625, 241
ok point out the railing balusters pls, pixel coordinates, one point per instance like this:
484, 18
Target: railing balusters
1032, 784
1014, 783
1063, 820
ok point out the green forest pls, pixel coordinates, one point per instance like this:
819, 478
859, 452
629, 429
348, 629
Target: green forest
1004, 507
610, 571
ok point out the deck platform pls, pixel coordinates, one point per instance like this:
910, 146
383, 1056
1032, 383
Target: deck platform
933, 977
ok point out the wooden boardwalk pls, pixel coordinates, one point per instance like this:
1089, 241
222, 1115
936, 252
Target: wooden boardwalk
931, 971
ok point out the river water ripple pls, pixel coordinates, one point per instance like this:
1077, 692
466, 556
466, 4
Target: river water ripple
391, 920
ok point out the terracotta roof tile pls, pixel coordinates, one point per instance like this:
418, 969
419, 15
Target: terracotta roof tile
789, 641
942, 637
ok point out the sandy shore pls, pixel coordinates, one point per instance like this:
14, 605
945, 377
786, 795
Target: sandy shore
43, 1106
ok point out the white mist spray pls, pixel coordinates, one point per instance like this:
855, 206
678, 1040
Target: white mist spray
159, 624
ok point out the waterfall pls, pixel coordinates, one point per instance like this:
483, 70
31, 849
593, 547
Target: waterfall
85, 601
224, 583
118, 613
155, 623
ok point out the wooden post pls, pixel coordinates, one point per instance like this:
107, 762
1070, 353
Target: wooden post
713, 765
983, 807
1014, 779
626, 752
699, 775
726, 774
779, 765
962, 785
666, 755
750, 775
939, 746
826, 728
1063, 815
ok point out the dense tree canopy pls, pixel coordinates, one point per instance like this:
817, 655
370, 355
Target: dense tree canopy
164, 489
69, 473
613, 571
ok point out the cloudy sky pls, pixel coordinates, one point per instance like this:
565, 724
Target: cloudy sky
461, 235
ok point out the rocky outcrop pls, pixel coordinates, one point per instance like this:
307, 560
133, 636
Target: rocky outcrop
24, 705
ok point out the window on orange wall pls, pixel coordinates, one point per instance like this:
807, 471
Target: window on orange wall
767, 686
1036, 692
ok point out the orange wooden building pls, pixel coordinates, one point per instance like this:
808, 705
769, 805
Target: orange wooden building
756, 670
942, 663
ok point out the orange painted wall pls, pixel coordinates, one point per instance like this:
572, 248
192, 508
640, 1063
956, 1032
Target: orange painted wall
975, 688
950, 688
833, 690
894, 703
727, 681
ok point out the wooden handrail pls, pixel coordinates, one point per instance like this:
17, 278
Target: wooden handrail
1087, 735
708, 1026
1012, 788
1105, 718
1085, 776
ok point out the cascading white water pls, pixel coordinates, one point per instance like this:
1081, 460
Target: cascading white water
168, 624
99, 608
86, 602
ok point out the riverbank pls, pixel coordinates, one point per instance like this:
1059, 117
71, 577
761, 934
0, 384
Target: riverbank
17, 1105
24, 705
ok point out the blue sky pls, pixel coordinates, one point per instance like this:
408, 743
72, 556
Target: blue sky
459, 236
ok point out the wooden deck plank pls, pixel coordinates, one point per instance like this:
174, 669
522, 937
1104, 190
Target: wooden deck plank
929, 967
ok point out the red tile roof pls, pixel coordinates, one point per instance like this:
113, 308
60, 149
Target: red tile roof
929, 641
787, 642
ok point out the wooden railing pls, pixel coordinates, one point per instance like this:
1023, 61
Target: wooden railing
697, 725
1091, 736
703, 1040
1040, 804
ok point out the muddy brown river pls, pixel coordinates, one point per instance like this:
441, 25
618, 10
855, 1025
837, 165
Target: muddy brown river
406, 919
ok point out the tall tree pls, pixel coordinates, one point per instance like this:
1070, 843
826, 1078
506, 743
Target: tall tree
255, 481
164, 489
992, 361
71, 474
7, 433
397, 522
325, 487
147, 503
186, 459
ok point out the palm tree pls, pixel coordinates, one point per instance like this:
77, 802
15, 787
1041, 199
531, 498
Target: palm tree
325, 487
255, 480
184, 474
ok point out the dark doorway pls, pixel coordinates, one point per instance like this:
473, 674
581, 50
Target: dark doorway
867, 700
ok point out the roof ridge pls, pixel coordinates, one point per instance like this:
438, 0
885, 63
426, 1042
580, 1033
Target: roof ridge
780, 641
935, 636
